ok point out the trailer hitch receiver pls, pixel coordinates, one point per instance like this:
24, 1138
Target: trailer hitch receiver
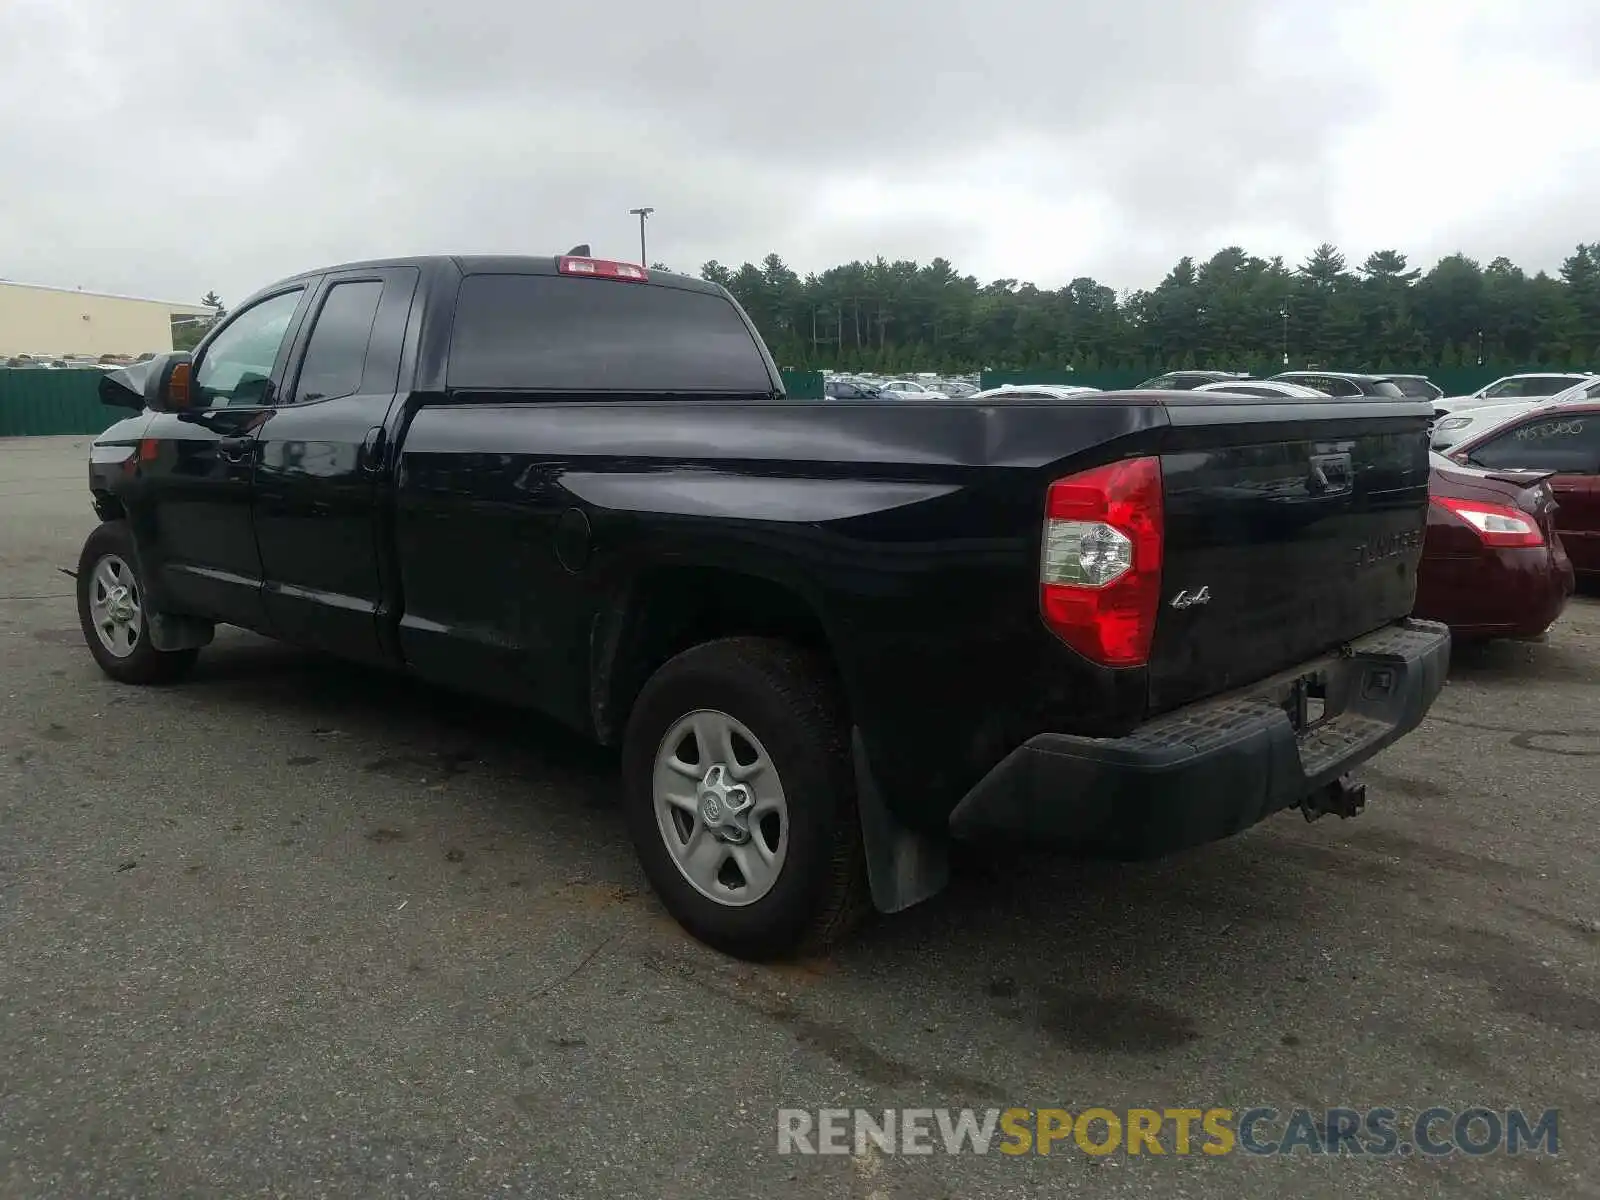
1344, 796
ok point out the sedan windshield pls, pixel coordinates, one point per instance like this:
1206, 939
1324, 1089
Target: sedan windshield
1533, 385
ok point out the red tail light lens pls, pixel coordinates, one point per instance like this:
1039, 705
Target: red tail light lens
602, 268
1100, 568
1495, 524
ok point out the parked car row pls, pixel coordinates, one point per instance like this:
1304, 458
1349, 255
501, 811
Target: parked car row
1514, 513
70, 362
924, 387
1514, 510
1460, 419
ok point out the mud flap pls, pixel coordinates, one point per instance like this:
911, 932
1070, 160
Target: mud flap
904, 866
179, 633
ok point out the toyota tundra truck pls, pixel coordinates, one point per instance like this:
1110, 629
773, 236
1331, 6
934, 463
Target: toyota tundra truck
828, 639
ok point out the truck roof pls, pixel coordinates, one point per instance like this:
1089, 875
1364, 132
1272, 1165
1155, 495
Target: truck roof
500, 264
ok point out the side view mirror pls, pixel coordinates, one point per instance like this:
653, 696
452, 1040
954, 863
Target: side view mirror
124, 387
167, 383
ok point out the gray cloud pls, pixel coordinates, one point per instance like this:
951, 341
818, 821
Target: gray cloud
244, 142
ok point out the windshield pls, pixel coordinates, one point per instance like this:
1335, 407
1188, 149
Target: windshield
1531, 385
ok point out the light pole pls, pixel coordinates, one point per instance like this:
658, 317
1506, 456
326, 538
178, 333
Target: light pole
1285, 315
642, 213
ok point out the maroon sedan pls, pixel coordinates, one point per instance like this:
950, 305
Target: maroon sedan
1563, 442
1492, 565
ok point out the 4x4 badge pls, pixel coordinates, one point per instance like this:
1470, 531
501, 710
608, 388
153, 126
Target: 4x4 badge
1190, 599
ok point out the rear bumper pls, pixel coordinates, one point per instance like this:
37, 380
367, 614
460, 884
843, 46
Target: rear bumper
1495, 592
1212, 769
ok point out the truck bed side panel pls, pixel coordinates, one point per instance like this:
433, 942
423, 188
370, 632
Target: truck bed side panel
914, 540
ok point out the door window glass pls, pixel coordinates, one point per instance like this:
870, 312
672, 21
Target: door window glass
337, 352
236, 368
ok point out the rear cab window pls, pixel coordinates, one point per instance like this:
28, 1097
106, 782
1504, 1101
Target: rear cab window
1386, 387
556, 333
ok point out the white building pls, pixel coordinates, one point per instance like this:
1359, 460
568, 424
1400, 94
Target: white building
40, 320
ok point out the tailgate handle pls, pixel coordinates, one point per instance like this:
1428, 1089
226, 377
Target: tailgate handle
1331, 474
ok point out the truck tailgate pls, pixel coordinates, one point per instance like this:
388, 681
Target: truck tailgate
1285, 536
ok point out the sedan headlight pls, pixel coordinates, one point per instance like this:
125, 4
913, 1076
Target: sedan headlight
1452, 423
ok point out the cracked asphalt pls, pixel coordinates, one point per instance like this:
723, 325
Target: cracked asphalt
294, 928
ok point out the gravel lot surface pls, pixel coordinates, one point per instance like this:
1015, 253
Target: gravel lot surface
295, 928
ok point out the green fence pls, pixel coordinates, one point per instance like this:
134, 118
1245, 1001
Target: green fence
36, 402
45, 402
1456, 381
802, 385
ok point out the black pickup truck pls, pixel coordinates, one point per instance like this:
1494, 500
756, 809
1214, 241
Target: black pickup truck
827, 637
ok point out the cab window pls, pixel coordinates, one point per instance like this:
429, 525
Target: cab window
337, 352
235, 370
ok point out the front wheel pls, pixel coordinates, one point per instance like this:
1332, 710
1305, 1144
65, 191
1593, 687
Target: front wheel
740, 798
113, 612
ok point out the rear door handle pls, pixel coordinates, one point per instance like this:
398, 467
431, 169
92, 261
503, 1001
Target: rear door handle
235, 449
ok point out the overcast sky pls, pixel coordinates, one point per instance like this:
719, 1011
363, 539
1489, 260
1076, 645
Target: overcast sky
167, 146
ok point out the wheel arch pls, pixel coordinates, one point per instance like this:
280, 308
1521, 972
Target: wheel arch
669, 609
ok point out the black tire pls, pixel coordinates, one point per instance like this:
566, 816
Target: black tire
145, 664
788, 700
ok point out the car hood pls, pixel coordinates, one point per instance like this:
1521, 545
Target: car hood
1475, 421
1450, 404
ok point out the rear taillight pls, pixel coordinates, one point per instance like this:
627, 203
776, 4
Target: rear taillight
1100, 569
602, 268
1495, 524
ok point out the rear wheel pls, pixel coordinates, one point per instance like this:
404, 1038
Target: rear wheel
740, 798
113, 613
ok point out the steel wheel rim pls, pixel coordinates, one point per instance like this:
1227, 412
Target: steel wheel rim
721, 813
116, 607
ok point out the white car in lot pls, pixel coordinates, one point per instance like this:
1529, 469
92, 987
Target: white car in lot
909, 389
1536, 387
1032, 391
1269, 388
1464, 423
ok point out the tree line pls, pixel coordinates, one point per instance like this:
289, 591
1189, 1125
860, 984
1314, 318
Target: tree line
1233, 311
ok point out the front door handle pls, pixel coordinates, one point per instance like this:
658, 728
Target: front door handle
372, 450
235, 449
